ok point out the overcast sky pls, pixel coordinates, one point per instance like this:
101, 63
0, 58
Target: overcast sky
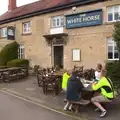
4, 4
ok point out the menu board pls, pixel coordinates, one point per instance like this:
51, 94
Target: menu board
76, 54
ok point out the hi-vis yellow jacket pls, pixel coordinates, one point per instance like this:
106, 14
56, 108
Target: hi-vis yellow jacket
65, 80
105, 86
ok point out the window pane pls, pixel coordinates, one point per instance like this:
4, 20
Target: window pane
3, 32
110, 52
110, 17
62, 21
116, 16
116, 55
53, 22
116, 9
116, 12
110, 48
115, 47
58, 21
26, 27
21, 52
110, 9
110, 55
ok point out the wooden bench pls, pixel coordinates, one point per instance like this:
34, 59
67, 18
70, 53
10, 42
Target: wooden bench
77, 104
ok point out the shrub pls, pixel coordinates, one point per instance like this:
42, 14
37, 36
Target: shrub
113, 71
18, 63
8, 53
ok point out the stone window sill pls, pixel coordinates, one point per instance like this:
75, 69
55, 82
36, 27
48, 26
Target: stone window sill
26, 34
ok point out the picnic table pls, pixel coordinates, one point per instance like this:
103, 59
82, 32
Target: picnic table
87, 91
50, 81
87, 94
10, 74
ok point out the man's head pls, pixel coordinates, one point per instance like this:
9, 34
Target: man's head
69, 72
75, 73
99, 67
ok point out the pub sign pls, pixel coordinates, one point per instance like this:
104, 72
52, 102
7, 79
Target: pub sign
11, 33
84, 19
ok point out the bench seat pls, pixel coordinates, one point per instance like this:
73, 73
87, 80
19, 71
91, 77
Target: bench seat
81, 102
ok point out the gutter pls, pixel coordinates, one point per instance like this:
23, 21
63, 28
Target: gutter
53, 9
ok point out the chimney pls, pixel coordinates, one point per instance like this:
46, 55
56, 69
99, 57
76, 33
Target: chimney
11, 4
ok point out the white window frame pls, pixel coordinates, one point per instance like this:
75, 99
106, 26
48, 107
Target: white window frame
3, 32
28, 27
54, 19
112, 42
21, 52
113, 13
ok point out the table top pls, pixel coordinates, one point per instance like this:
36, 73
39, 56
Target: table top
87, 87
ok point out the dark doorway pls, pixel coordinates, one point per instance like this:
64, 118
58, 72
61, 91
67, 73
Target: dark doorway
58, 56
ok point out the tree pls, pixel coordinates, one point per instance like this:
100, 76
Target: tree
116, 36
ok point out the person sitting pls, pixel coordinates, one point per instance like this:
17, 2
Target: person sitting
107, 92
74, 88
65, 78
97, 72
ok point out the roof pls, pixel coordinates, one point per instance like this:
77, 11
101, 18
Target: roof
40, 7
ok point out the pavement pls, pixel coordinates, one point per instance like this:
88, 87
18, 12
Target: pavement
12, 108
28, 89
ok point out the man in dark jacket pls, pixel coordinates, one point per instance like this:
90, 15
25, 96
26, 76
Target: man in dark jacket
74, 88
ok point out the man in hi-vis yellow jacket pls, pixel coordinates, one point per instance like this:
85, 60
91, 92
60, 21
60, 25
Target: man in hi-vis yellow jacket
106, 92
65, 78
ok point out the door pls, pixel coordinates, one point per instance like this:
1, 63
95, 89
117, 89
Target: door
58, 56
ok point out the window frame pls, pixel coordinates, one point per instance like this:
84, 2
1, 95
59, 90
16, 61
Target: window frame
55, 18
28, 32
113, 49
20, 50
113, 13
5, 32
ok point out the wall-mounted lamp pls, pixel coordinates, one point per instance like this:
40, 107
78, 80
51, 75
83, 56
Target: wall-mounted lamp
73, 8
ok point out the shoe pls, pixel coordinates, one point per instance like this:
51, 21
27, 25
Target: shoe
103, 114
97, 110
65, 109
69, 110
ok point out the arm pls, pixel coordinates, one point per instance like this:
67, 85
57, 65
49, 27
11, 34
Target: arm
96, 73
97, 86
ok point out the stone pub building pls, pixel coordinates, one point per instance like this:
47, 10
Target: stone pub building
62, 32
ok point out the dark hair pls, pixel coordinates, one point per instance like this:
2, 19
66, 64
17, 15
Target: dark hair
75, 73
99, 66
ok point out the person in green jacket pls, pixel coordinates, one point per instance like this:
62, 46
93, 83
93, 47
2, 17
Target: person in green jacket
106, 95
65, 78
